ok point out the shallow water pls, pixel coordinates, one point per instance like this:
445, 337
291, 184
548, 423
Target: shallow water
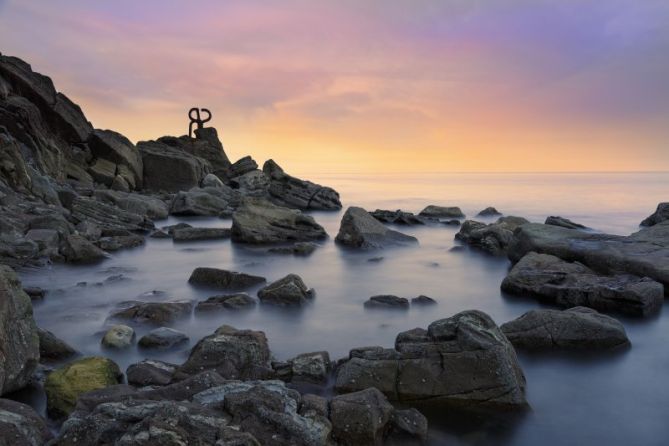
617, 399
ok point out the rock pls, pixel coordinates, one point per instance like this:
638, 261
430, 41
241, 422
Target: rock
314, 405
489, 212
116, 148
493, 238
108, 216
232, 353
208, 147
288, 291
360, 418
242, 166
661, 214
212, 180
296, 249
20, 425
117, 243
119, 184
258, 221
397, 217
311, 367
159, 313
35, 293
53, 348
170, 169
408, 426
103, 171
292, 192
359, 229
433, 211
566, 284
228, 302
210, 201
564, 222
19, 341
193, 234
163, 338
65, 384
150, 373
46, 239
576, 328
423, 300
52, 221
387, 301
146, 206
119, 337
171, 228
159, 233
252, 184
77, 249
223, 279
462, 359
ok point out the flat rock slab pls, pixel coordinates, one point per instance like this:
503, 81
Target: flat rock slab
387, 301
163, 338
159, 313
577, 328
359, 229
228, 302
223, 279
433, 211
570, 284
195, 234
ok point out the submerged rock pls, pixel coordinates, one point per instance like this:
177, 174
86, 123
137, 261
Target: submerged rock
550, 279
159, 313
423, 300
359, 229
462, 359
493, 238
489, 212
297, 249
20, 425
661, 214
397, 217
288, 291
576, 328
433, 211
163, 338
223, 279
258, 221
387, 301
292, 192
229, 302
563, 222
19, 340
119, 337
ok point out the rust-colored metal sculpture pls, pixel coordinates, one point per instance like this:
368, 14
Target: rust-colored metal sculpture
197, 119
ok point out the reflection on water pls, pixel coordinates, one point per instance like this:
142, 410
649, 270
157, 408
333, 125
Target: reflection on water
614, 399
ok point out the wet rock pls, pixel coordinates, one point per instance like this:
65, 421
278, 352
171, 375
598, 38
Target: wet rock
65, 384
297, 249
292, 192
433, 211
77, 249
20, 425
462, 359
489, 212
119, 337
195, 234
229, 302
564, 222
163, 338
288, 291
311, 367
116, 148
423, 300
212, 180
359, 229
387, 301
408, 426
258, 221
232, 353
19, 341
150, 373
223, 279
493, 238
53, 348
550, 279
397, 217
170, 169
209, 201
661, 214
577, 328
360, 418
159, 313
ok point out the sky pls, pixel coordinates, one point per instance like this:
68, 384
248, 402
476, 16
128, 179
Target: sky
369, 86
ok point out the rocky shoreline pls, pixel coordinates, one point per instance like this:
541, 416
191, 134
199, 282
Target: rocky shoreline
70, 193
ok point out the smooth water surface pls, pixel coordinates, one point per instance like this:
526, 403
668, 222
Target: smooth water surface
613, 399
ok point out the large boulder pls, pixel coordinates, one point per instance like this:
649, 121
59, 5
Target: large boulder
64, 385
114, 147
361, 418
661, 214
577, 328
205, 145
20, 425
359, 229
118, 337
223, 279
571, 284
232, 353
19, 341
493, 238
208, 201
462, 359
292, 192
287, 291
258, 221
170, 169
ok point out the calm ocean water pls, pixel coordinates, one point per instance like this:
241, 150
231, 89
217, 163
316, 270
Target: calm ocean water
618, 399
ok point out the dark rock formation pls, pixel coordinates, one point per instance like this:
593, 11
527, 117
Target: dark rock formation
117, 149
423, 300
563, 222
296, 249
489, 212
194, 234
228, 302
292, 192
20, 425
288, 291
223, 280
159, 313
493, 238
150, 373
208, 201
359, 229
170, 169
433, 211
661, 214
387, 301
163, 338
397, 217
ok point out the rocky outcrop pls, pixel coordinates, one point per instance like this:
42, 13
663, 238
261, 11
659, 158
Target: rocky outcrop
108, 216
20, 425
170, 169
577, 328
117, 149
207, 201
550, 279
223, 279
661, 214
359, 229
286, 190
258, 221
433, 211
462, 359
19, 341
563, 222
397, 217
493, 238
289, 291
232, 353
158, 313
163, 338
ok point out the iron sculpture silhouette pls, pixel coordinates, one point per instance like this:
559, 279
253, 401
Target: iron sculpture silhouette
197, 119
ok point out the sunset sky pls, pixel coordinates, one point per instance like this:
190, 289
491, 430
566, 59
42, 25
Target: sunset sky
369, 86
